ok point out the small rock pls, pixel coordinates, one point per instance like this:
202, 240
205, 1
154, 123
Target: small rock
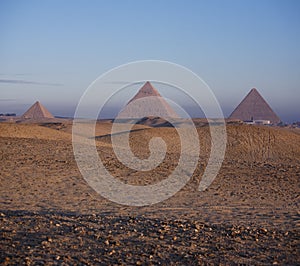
45, 244
112, 252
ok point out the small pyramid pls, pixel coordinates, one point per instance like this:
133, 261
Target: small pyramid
37, 111
149, 100
254, 107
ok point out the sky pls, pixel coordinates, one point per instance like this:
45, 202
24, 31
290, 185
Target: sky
52, 51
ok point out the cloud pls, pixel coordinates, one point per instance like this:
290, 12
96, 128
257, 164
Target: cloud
7, 100
125, 82
18, 81
15, 74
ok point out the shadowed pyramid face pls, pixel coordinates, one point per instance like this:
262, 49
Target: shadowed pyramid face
254, 107
148, 101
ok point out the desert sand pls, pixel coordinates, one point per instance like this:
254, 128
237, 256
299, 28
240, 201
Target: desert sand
49, 215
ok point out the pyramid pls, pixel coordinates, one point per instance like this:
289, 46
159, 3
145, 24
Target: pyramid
148, 100
254, 107
37, 111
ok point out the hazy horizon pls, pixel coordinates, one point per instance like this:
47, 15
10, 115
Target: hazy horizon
112, 109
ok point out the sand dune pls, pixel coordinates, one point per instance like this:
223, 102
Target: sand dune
31, 131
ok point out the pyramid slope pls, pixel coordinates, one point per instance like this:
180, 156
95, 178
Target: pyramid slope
155, 103
254, 107
37, 111
146, 91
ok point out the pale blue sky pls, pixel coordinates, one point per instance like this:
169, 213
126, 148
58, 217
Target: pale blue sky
52, 50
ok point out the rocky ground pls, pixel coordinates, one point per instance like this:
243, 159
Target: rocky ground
45, 238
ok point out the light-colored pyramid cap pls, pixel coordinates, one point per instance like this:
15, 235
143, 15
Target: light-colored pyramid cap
146, 91
37, 111
254, 107
157, 104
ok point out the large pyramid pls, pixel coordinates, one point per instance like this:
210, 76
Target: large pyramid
254, 107
148, 100
37, 111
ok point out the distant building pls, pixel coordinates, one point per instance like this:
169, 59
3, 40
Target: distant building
253, 108
296, 124
8, 114
258, 122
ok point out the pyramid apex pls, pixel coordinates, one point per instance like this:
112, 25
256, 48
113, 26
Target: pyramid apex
145, 91
156, 105
253, 90
148, 84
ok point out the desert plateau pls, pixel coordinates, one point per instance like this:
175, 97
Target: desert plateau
249, 215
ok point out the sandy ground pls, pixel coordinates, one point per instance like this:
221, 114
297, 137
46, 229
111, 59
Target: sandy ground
49, 215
